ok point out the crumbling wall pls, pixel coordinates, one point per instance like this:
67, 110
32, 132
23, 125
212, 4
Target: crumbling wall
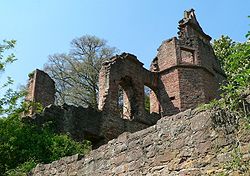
41, 89
124, 72
189, 73
84, 123
184, 74
188, 143
78, 122
87, 123
127, 72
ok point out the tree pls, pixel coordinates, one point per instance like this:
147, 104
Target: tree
223, 48
9, 99
22, 145
248, 34
76, 73
235, 60
4, 60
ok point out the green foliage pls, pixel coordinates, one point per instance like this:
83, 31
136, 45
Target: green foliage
6, 58
235, 60
31, 105
237, 67
31, 74
237, 163
22, 169
23, 144
62, 145
248, 34
8, 103
223, 48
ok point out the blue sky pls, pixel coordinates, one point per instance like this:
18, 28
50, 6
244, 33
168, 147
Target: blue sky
45, 27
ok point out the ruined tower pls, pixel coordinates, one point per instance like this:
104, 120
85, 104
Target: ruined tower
184, 74
41, 89
189, 73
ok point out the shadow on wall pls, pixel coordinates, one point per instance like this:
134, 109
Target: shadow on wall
177, 77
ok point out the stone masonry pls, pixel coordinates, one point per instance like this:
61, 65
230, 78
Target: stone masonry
41, 88
186, 144
188, 69
184, 74
84, 123
126, 71
166, 141
189, 73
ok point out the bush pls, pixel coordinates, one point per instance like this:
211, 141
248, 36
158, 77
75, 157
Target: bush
24, 145
235, 60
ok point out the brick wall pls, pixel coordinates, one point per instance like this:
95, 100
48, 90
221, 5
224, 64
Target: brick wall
169, 92
127, 72
167, 54
189, 73
192, 91
41, 89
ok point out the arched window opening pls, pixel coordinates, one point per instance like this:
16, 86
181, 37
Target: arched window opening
120, 102
125, 97
147, 91
151, 102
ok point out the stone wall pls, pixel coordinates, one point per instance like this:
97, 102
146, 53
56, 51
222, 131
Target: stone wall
169, 92
192, 79
41, 89
127, 73
189, 143
184, 74
189, 72
78, 122
84, 123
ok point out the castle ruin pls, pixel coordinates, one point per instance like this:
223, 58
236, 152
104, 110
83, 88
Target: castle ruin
41, 89
184, 74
